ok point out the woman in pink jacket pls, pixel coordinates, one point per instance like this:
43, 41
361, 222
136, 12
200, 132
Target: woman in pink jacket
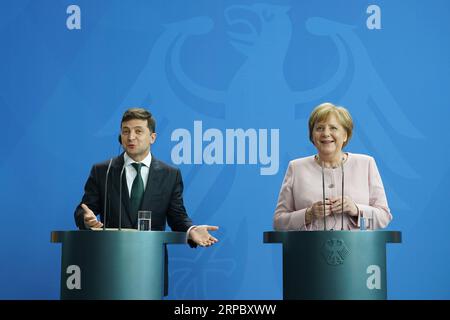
311, 180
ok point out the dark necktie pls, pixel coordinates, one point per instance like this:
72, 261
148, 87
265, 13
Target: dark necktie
137, 189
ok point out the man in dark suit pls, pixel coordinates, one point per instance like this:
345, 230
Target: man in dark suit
147, 184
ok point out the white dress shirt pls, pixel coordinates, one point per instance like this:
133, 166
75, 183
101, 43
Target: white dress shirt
131, 173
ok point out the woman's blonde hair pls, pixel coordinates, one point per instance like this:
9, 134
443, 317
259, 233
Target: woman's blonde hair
323, 111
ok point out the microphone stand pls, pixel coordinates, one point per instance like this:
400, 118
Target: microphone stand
342, 195
120, 198
106, 194
323, 198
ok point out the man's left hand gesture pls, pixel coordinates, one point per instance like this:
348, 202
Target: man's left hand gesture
201, 236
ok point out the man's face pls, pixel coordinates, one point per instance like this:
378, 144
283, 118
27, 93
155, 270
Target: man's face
137, 138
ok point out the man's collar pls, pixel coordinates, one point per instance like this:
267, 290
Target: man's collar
128, 160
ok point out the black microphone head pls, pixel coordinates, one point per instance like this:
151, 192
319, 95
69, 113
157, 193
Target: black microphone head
120, 139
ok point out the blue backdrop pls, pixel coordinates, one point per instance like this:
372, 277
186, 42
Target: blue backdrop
67, 75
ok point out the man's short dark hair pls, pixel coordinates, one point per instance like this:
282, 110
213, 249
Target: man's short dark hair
140, 114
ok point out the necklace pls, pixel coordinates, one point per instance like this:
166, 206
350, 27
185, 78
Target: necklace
332, 166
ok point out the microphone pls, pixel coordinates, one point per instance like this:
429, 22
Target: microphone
323, 198
120, 197
342, 195
106, 194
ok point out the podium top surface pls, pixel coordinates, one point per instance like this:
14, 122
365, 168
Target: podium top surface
287, 236
168, 237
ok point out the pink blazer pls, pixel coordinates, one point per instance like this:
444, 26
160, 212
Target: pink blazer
302, 186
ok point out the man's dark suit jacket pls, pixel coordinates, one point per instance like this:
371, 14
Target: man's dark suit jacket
163, 196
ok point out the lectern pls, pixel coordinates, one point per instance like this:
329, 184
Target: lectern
112, 264
334, 265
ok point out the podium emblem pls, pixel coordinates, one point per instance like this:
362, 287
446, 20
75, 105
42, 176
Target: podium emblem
335, 251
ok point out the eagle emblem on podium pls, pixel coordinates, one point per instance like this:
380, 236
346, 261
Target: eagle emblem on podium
335, 251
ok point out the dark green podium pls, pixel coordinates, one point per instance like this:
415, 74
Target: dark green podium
334, 265
112, 264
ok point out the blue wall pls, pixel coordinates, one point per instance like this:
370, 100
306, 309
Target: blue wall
230, 64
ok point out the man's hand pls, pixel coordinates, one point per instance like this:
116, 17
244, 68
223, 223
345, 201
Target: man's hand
201, 236
90, 220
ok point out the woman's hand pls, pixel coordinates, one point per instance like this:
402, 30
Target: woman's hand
350, 207
317, 210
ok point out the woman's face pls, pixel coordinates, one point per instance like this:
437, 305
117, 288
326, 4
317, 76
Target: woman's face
329, 136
